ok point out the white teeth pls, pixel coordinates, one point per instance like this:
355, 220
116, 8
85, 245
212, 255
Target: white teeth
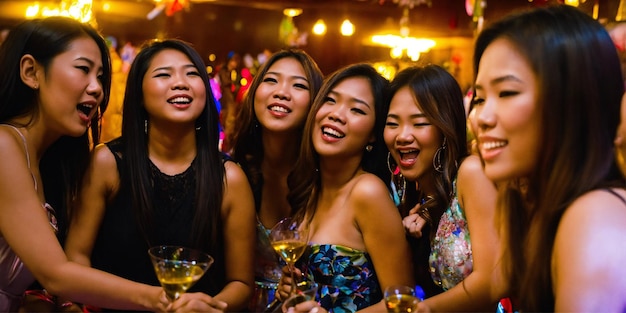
180, 100
493, 144
279, 109
332, 132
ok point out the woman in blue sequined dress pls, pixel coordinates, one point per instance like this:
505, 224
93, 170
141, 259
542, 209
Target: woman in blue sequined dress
357, 243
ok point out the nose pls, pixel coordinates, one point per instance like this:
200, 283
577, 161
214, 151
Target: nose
404, 135
484, 115
180, 82
95, 87
337, 114
282, 92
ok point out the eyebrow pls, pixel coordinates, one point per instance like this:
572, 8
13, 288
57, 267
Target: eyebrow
293, 76
351, 98
88, 60
419, 115
499, 80
170, 67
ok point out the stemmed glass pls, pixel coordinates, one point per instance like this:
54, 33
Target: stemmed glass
178, 268
290, 243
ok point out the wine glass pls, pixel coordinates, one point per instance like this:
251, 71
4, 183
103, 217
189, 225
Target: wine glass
401, 299
290, 243
178, 268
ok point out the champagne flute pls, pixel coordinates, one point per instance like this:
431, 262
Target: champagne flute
290, 243
178, 268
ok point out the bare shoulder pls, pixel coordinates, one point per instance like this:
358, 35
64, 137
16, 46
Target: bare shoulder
471, 165
369, 187
589, 253
370, 195
234, 173
103, 156
593, 225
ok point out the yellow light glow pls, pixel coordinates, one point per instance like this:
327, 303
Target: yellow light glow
292, 12
106, 6
320, 27
347, 28
77, 9
413, 46
573, 3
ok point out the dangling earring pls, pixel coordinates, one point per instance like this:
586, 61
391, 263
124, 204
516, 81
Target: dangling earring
145, 126
438, 158
369, 148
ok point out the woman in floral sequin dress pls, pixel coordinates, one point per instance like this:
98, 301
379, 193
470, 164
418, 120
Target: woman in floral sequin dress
425, 133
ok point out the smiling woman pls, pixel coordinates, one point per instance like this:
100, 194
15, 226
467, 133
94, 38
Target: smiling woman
164, 182
55, 78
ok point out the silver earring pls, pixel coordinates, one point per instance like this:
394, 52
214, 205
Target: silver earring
369, 148
145, 126
438, 158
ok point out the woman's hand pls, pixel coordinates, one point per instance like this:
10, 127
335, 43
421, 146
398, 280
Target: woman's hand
310, 306
414, 223
197, 302
285, 285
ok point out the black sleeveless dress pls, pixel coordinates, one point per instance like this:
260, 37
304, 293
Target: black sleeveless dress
122, 249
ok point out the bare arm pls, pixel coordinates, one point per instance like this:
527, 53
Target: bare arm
589, 255
239, 235
477, 196
24, 225
381, 227
100, 180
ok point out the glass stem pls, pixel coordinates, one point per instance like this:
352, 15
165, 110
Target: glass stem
293, 281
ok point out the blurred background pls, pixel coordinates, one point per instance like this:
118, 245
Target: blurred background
390, 33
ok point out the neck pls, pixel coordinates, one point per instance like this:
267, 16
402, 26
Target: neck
280, 151
172, 144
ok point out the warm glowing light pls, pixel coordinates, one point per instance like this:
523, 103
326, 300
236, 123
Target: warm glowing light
413, 46
347, 28
291, 12
77, 9
319, 28
573, 3
106, 6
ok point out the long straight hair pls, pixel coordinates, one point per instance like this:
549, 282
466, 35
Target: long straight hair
579, 83
64, 163
206, 230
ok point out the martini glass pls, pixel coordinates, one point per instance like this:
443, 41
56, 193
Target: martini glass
178, 268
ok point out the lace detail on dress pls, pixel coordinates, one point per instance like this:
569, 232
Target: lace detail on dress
173, 195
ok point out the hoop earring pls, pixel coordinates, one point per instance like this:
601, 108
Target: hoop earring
369, 148
438, 158
392, 171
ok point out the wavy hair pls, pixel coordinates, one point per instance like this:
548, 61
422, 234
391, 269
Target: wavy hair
441, 100
304, 180
248, 137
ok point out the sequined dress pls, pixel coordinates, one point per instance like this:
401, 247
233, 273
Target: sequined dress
451, 253
15, 278
346, 277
